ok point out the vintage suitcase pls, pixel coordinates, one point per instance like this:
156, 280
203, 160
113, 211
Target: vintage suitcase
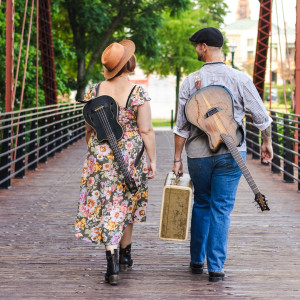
175, 209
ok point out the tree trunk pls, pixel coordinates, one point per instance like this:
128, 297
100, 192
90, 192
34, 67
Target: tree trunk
178, 77
81, 77
83, 72
105, 40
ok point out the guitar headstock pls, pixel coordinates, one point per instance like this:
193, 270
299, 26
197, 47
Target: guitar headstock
261, 201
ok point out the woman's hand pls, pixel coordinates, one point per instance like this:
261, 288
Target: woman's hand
151, 170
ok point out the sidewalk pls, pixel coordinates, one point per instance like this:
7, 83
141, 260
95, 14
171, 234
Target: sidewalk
41, 259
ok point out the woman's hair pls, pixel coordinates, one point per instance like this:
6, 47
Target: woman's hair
129, 66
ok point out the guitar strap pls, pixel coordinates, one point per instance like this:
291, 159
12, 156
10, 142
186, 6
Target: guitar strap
197, 80
140, 154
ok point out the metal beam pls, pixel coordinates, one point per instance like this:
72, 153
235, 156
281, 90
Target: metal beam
297, 61
9, 64
264, 26
47, 52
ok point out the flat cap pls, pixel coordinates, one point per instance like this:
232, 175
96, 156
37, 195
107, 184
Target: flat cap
211, 36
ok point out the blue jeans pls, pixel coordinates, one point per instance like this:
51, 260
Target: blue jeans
215, 181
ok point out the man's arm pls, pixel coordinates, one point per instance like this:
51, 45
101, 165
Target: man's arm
179, 144
260, 117
182, 128
266, 147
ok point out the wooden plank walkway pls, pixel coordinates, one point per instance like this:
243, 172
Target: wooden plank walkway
41, 259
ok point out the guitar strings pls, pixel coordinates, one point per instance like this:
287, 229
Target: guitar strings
228, 139
108, 130
117, 152
240, 160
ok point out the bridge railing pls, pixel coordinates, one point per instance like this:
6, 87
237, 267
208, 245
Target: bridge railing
29, 136
285, 139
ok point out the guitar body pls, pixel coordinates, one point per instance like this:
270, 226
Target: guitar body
211, 110
101, 114
201, 110
110, 107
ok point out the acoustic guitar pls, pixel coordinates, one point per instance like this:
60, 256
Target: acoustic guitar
211, 110
101, 113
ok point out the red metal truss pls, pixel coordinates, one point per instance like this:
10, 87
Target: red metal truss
9, 68
47, 52
264, 26
297, 61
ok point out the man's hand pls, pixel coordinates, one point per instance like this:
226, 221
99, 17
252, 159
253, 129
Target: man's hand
267, 152
179, 144
266, 147
177, 168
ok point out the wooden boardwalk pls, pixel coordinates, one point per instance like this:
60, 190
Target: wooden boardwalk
41, 259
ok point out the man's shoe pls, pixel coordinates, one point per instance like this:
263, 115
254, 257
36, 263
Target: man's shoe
196, 268
216, 276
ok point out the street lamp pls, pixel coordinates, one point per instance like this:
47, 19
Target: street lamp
232, 49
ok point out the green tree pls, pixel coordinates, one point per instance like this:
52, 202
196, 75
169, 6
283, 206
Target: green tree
95, 24
176, 54
61, 51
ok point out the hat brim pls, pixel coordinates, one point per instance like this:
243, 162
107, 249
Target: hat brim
129, 51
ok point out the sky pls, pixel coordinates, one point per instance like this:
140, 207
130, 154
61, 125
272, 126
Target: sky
289, 11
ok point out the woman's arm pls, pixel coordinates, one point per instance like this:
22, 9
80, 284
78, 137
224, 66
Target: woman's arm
88, 132
144, 123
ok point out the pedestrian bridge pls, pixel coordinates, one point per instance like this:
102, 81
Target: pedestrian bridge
41, 259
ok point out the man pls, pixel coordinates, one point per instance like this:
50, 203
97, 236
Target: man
215, 176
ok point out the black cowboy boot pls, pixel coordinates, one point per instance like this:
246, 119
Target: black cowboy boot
112, 273
125, 260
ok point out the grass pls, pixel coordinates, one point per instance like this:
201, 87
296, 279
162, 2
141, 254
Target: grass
278, 107
161, 122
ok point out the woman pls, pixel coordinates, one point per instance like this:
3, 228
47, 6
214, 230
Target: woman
107, 209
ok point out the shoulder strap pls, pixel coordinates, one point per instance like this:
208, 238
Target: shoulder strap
197, 80
139, 156
98, 88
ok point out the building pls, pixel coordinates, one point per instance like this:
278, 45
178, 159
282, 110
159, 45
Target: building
243, 34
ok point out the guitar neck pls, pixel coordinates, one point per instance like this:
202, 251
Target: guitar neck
115, 147
240, 162
118, 154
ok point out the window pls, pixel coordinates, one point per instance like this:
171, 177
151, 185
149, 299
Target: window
250, 42
250, 54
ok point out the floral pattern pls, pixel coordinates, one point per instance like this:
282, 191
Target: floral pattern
105, 204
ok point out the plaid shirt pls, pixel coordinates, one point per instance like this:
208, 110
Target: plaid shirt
245, 96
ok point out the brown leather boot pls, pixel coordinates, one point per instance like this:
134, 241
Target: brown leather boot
112, 273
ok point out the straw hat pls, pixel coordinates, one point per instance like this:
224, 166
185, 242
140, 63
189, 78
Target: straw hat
115, 56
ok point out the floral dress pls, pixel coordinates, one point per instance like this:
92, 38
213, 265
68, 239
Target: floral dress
105, 204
